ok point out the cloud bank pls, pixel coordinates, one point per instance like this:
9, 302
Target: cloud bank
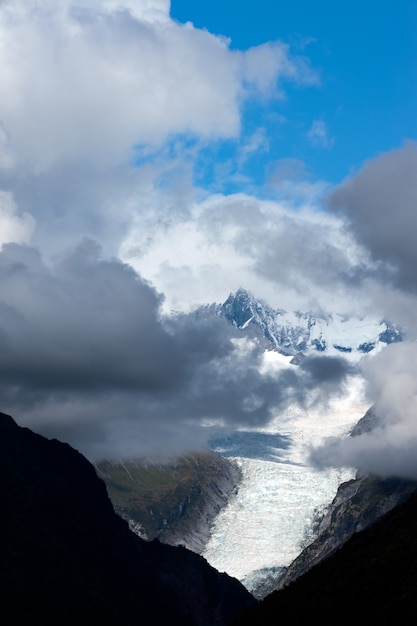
97, 80
302, 259
391, 448
102, 101
86, 357
380, 202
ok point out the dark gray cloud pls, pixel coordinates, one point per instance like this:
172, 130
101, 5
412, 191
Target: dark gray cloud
329, 370
380, 202
81, 325
87, 357
391, 448
310, 256
376, 453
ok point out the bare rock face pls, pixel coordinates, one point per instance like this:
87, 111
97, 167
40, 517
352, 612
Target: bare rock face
67, 558
358, 504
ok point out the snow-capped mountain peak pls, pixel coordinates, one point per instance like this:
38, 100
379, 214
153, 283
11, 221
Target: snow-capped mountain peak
295, 332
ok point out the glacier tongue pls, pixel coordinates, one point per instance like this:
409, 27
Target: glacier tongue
265, 523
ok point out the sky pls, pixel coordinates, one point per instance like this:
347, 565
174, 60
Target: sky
157, 156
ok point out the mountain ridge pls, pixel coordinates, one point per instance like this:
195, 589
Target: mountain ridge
67, 558
298, 332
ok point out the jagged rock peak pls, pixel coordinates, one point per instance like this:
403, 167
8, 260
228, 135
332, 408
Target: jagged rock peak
296, 332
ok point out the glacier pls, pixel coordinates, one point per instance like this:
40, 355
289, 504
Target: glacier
267, 522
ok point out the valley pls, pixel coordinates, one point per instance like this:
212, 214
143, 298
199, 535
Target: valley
249, 507
252, 504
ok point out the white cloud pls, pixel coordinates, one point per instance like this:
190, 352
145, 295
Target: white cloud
14, 228
6, 154
257, 142
391, 448
304, 259
90, 89
90, 85
264, 63
380, 204
319, 135
91, 80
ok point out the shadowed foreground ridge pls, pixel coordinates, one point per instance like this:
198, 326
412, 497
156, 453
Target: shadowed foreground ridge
67, 558
371, 579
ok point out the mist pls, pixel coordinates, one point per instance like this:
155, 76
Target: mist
87, 356
380, 204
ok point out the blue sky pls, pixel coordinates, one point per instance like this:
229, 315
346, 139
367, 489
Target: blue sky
366, 57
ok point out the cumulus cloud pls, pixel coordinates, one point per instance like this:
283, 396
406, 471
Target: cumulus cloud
380, 202
103, 101
13, 226
391, 448
303, 259
97, 80
6, 154
93, 79
87, 357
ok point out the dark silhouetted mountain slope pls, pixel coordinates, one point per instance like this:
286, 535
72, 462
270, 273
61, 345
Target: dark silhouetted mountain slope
67, 558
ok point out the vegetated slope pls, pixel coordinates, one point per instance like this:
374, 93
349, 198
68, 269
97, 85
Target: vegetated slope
68, 559
372, 578
176, 502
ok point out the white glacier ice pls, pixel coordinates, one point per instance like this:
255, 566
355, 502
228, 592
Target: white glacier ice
265, 524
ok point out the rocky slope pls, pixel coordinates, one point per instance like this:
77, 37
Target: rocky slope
357, 505
68, 559
176, 502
